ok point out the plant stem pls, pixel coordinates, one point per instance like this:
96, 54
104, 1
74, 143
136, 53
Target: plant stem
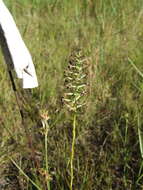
73, 150
46, 152
24, 174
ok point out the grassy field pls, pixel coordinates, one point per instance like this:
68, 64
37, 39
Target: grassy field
82, 127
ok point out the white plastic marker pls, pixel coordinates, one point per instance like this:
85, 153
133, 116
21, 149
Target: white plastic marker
21, 58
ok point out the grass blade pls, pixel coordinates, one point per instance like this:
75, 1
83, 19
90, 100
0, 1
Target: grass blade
135, 67
140, 137
23, 173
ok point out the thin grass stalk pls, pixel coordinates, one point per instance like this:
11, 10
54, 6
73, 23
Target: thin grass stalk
73, 151
135, 67
45, 117
24, 174
140, 136
140, 175
46, 154
125, 151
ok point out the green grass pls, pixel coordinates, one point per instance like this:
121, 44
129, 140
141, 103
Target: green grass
108, 128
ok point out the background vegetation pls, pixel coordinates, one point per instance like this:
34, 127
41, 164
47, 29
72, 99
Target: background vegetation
108, 127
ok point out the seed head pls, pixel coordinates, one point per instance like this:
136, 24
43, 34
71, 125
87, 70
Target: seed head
75, 82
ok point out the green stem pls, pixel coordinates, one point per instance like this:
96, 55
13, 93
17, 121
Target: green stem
46, 153
72, 151
24, 174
